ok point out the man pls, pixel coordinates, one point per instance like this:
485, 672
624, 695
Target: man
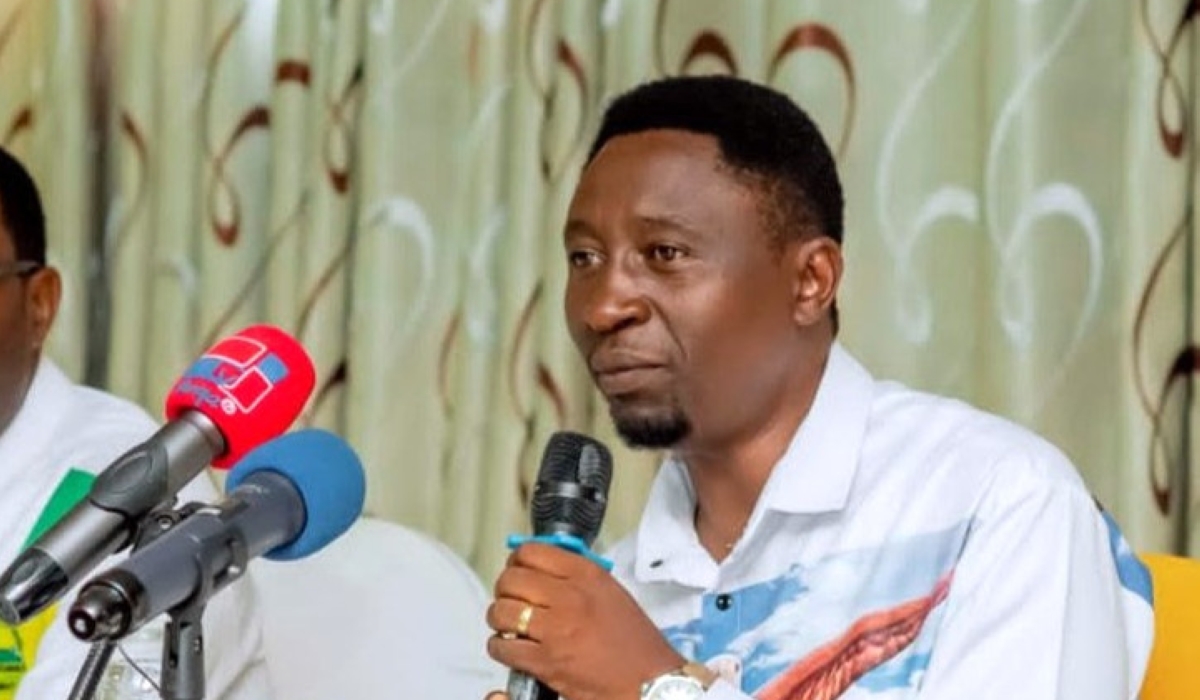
814, 533
53, 436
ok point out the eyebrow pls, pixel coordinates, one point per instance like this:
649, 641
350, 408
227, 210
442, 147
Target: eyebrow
644, 221
576, 226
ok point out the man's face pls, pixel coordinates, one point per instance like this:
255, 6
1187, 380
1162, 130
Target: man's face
677, 298
20, 335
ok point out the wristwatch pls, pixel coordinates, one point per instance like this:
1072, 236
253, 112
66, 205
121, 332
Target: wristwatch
688, 682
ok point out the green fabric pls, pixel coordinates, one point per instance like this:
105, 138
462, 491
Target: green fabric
71, 490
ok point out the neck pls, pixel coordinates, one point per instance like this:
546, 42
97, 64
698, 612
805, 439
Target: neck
728, 486
729, 475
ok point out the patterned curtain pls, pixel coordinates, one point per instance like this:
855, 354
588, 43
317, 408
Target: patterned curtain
386, 179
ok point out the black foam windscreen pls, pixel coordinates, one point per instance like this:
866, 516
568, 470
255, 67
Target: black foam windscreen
572, 487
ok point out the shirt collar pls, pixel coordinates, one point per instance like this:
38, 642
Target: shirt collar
814, 475
817, 470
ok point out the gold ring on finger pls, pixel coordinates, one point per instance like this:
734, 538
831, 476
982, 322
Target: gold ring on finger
522, 628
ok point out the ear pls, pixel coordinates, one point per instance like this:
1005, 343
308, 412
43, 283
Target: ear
817, 262
42, 295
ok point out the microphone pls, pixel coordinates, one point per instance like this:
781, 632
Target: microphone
285, 500
246, 389
566, 510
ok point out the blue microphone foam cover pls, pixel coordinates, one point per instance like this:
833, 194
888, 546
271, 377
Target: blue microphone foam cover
327, 474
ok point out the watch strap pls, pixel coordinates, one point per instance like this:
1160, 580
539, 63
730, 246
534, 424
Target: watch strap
692, 670
700, 672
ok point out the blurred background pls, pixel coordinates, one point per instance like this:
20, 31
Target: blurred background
386, 180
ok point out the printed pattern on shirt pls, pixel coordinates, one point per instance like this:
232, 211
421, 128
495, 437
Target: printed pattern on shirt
867, 617
1131, 572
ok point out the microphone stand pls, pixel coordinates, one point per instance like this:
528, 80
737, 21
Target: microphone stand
183, 655
183, 641
92, 670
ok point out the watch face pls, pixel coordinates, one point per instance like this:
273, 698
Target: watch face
676, 688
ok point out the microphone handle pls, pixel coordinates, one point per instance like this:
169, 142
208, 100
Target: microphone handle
154, 471
522, 686
143, 478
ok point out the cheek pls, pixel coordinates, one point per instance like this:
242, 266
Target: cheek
13, 353
583, 340
732, 336
11, 323
573, 318
707, 327
15, 336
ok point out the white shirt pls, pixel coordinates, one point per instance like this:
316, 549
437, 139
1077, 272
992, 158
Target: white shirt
905, 546
61, 426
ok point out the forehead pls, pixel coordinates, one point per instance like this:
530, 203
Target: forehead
668, 169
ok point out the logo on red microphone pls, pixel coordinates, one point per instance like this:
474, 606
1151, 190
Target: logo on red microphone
236, 375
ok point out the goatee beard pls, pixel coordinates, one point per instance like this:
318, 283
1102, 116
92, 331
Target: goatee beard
653, 432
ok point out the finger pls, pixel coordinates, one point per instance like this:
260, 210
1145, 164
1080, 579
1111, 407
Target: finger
496, 696
527, 584
509, 616
551, 560
517, 653
511, 560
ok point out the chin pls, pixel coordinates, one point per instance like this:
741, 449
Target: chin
651, 428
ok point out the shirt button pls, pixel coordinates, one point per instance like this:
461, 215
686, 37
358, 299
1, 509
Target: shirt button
724, 602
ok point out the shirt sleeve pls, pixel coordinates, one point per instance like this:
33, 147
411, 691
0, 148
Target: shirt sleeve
1037, 608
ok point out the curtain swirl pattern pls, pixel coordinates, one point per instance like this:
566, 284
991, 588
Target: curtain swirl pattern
386, 179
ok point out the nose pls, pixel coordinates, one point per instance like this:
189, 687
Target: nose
610, 300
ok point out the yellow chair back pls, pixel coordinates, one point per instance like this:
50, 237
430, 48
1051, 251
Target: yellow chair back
1174, 670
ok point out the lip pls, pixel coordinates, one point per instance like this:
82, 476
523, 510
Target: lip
602, 363
617, 381
621, 374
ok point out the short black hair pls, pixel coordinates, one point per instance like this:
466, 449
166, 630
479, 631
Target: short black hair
21, 210
761, 133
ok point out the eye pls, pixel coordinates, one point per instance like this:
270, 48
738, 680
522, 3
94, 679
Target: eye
665, 253
582, 258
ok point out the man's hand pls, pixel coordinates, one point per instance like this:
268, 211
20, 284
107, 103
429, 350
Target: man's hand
586, 637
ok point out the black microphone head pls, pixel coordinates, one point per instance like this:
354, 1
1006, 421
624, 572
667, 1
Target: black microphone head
572, 487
